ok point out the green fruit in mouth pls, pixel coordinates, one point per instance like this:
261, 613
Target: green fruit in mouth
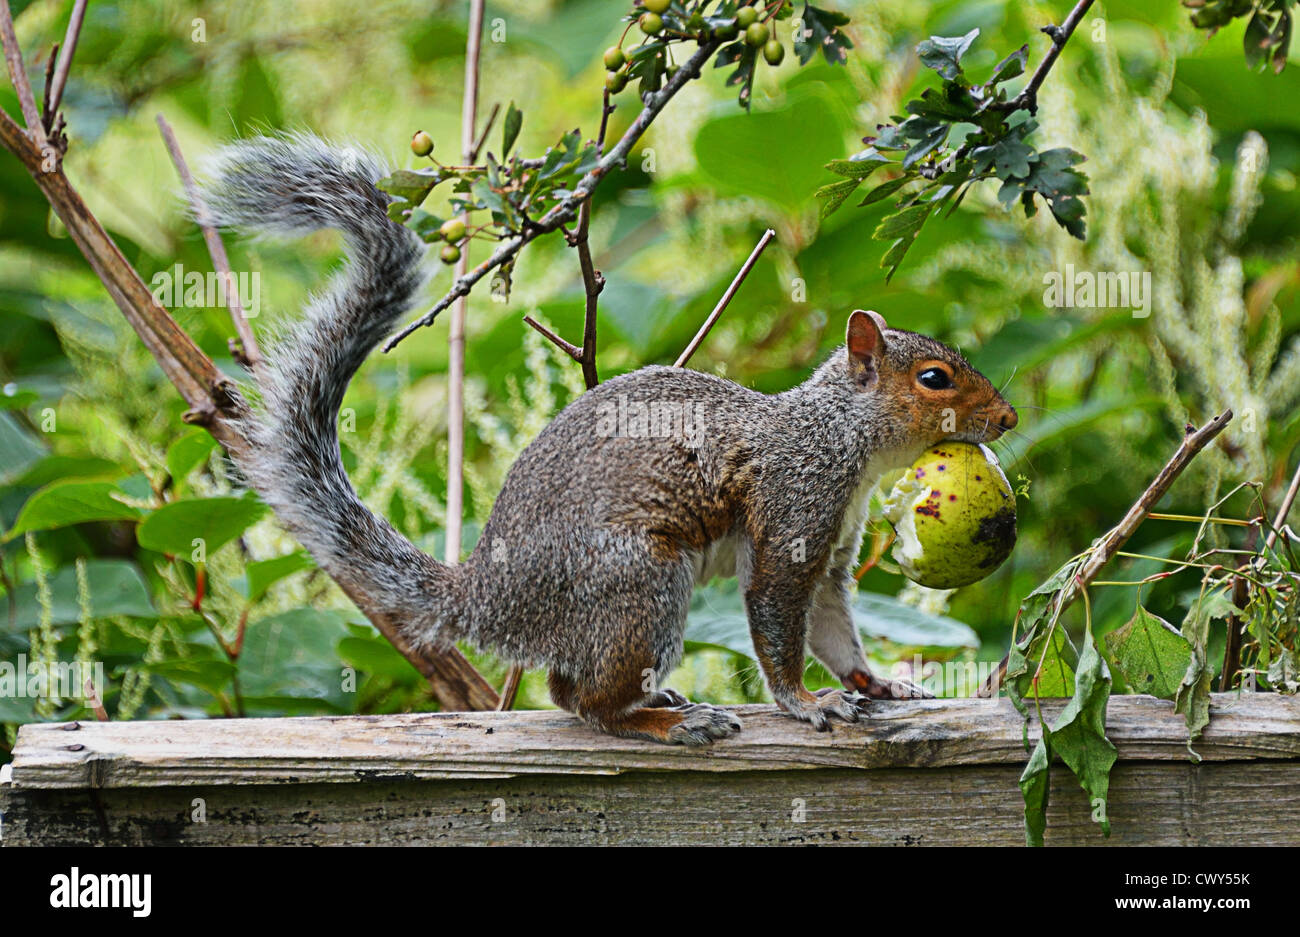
954, 514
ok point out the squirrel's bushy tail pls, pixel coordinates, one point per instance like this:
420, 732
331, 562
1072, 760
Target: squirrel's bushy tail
293, 184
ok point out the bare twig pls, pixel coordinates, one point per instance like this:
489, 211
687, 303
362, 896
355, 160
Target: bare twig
246, 352
685, 356
1284, 510
69, 49
573, 351
94, 703
1028, 97
1104, 551
567, 209
483, 134
510, 688
456, 332
18, 76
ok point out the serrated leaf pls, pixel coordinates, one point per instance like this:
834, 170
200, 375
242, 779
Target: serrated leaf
832, 195
943, 53
821, 30
1151, 654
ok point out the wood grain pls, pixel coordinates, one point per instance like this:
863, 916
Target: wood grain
895, 734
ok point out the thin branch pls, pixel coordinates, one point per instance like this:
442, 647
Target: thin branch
573, 351
18, 75
483, 134
246, 352
456, 332
510, 688
1193, 442
1028, 96
567, 209
685, 356
65, 61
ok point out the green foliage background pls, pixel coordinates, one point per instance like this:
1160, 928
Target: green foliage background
1164, 115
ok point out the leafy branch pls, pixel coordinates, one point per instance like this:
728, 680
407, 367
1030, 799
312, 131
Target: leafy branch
525, 198
1268, 32
958, 135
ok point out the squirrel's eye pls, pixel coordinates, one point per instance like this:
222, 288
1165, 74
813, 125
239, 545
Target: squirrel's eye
934, 379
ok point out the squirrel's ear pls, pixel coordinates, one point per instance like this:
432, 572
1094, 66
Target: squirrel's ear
866, 343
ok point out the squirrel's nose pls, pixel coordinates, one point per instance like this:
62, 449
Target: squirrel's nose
1009, 419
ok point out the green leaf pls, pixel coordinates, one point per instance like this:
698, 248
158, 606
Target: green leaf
174, 528
188, 452
1192, 700
885, 189
71, 502
1013, 66
833, 194
211, 675
292, 657
943, 53
884, 617
1079, 734
19, 450
821, 30
1035, 786
377, 657
115, 586
1151, 654
263, 574
510, 129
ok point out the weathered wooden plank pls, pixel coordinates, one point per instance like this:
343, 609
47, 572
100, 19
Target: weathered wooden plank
896, 734
1151, 803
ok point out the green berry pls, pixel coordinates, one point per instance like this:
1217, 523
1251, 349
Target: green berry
757, 35
657, 6
615, 81
652, 24
773, 51
746, 17
614, 58
452, 230
421, 144
726, 31
450, 254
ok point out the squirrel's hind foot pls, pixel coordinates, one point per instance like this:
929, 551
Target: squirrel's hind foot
702, 724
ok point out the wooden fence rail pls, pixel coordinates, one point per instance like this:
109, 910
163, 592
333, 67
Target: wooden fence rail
913, 772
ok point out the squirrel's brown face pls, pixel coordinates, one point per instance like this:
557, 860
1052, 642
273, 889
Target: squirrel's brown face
928, 387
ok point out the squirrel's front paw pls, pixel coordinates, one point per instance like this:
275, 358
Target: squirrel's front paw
817, 710
701, 724
873, 687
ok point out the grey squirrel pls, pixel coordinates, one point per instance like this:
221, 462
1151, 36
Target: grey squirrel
642, 487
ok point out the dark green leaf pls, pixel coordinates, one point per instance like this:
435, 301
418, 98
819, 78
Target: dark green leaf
943, 53
72, 502
510, 129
